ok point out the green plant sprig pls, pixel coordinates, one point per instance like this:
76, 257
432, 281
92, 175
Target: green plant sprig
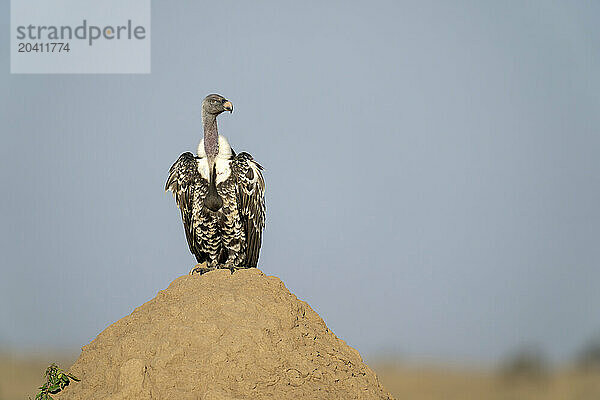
56, 380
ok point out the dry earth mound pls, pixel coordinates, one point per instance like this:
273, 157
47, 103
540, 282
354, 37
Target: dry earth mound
221, 336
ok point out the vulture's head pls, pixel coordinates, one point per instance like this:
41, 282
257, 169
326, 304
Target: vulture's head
215, 104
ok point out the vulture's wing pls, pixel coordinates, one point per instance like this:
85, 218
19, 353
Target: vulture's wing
188, 187
250, 188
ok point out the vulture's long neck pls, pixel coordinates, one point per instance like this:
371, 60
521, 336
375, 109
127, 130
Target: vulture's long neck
211, 146
211, 136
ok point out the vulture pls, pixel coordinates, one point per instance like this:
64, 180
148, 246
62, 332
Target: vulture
221, 197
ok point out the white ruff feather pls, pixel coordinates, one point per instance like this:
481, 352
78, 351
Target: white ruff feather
224, 148
221, 161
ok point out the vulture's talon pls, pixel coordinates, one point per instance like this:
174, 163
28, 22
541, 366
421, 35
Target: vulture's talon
200, 269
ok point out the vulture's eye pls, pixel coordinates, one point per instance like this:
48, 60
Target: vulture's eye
223, 101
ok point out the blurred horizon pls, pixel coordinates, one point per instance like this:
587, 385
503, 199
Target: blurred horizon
431, 169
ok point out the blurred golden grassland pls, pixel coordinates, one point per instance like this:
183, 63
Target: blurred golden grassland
20, 376
450, 383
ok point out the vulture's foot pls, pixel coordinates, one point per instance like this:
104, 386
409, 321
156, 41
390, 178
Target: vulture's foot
234, 269
230, 267
201, 269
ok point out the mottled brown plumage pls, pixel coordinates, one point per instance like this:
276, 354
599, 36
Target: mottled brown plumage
221, 197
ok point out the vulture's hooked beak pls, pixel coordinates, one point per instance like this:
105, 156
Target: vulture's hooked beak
228, 106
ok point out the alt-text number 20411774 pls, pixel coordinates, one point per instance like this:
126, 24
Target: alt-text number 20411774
50, 47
